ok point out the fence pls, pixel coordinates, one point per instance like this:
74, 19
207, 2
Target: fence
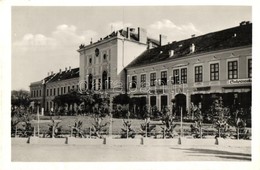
158, 132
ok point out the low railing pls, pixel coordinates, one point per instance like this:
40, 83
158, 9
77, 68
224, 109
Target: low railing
88, 133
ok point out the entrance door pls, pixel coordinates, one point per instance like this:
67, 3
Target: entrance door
153, 101
164, 102
180, 104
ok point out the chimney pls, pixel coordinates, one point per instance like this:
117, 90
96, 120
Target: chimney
171, 53
60, 71
69, 68
66, 69
192, 48
51, 72
142, 35
48, 73
193, 35
128, 33
162, 39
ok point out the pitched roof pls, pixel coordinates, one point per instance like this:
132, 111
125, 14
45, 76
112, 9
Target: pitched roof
224, 39
64, 75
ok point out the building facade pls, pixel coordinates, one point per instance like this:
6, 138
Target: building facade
102, 64
195, 71
43, 92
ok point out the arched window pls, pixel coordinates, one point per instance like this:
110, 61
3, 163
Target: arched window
104, 80
90, 79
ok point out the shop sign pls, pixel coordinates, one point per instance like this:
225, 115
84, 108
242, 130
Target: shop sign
240, 81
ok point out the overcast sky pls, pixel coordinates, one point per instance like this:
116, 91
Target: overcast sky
45, 39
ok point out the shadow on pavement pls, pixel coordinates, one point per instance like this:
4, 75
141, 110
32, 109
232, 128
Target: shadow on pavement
217, 153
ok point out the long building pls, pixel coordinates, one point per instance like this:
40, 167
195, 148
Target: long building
43, 92
195, 71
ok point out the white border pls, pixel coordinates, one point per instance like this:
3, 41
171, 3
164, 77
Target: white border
5, 65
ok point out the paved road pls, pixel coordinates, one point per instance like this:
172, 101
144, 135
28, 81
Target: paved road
104, 153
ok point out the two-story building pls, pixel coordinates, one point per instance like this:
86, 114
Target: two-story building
195, 71
43, 92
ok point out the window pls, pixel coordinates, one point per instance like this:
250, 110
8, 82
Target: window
232, 70
94, 84
143, 80
58, 91
134, 81
109, 83
184, 75
164, 78
54, 91
250, 68
68, 88
214, 72
90, 61
97, 52
105, 57
64, 89
50, 92
37, 93
152, 79
47, 92
176, 76
198, 74
99, 84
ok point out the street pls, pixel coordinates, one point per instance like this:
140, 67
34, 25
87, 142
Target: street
105, 153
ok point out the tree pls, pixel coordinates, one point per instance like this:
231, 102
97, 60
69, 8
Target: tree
169, 126
20, 101
20, 98
121, 100
69, 99
95, 103
238, 119
219, 115
196, 129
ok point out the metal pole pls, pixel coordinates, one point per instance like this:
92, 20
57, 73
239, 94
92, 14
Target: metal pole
90, 132
15, 131
146, 130
38, 122
127, 131
110, 127
237, 133
181, 124
53, 130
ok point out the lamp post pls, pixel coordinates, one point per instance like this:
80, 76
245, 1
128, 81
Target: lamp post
38, 121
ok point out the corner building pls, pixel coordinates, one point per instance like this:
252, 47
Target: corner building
195, 71
102, 64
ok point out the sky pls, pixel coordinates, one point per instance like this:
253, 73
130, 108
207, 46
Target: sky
46, 39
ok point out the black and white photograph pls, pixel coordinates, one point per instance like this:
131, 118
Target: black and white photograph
131, 84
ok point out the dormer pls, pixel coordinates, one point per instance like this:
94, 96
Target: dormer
192, 48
